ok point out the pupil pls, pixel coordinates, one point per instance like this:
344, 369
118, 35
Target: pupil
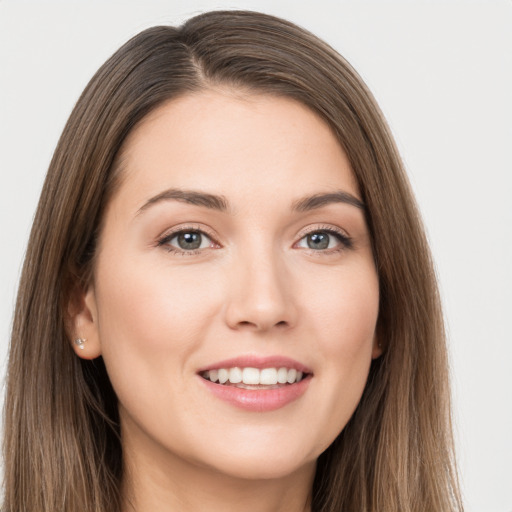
318, 241
189, 241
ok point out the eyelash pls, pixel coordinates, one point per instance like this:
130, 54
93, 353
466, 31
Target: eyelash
164, 241
344, 240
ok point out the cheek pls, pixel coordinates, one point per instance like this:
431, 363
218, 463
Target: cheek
342, 308
151, 320
152, 306
342, 320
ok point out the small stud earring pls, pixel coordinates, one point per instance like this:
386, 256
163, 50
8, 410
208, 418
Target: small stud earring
79, 342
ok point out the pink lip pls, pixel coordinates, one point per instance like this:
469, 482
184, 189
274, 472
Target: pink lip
258, 400
260, 362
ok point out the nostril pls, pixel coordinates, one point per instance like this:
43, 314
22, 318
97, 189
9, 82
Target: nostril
246, 323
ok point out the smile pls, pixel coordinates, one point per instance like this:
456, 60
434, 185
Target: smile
254, 378
256, 383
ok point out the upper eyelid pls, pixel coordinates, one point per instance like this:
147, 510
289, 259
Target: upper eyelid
172, 232
322, 227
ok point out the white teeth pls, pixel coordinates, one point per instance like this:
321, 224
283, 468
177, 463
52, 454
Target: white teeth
235, 375
251, 376
223, 375
292, 375
282, 375
254, 376
268, 376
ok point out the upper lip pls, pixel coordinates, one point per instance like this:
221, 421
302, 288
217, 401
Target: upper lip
260, 362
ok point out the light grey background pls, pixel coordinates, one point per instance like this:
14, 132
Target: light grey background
442, 73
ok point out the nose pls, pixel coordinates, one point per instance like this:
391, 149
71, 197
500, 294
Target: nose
260, 294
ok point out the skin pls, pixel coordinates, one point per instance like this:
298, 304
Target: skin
158, 313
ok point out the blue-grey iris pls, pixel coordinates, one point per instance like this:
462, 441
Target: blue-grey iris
189, 240
318, 241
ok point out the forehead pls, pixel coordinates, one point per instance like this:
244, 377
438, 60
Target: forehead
223, 141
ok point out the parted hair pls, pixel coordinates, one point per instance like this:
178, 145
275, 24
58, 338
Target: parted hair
62, 442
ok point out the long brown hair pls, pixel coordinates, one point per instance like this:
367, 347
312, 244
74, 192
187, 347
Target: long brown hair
62, 444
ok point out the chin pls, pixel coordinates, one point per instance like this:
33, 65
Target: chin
270, 458
262, 467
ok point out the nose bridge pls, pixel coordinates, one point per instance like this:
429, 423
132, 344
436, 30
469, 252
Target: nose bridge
259, 288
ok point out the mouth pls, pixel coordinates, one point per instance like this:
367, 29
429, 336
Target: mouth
254, 378
257, 383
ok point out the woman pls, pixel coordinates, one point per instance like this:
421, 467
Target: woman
227, 300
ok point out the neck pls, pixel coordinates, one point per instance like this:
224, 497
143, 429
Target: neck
194, 489
163, 482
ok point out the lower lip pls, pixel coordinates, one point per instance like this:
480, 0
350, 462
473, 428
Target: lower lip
258, 400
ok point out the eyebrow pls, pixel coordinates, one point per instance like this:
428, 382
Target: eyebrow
323, 199
220, 203
210, 201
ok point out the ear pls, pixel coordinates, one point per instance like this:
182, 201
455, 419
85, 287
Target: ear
82, 323
377, 348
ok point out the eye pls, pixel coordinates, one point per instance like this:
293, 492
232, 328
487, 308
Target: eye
322, 240
186, 241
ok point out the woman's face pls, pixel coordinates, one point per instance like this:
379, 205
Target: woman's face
235, 248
